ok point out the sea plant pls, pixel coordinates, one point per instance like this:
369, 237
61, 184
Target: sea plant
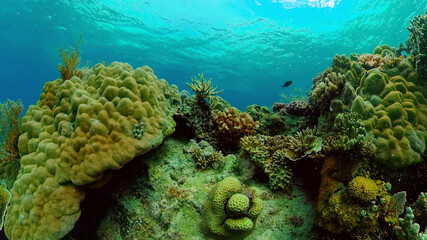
10, 129
70, 61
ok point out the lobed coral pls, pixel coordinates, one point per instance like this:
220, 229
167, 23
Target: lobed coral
230, 210
70, 140
391, 106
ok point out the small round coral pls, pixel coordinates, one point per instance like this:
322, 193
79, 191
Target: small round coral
364, 189
237, 204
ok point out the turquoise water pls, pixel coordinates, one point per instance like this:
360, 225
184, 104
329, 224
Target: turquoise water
248, 48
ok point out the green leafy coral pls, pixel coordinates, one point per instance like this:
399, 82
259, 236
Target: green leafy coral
230, 211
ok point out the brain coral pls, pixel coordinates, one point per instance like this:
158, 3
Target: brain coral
79, 129
229, 214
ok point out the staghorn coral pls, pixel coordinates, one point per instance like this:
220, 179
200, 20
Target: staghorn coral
71, 61
408, 230
232, 126
203, 89
230, 211
73, 139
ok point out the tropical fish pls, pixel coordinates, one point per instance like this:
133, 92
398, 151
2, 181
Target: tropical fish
287, 84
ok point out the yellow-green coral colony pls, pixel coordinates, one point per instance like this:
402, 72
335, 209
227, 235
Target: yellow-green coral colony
228, 212
79, 129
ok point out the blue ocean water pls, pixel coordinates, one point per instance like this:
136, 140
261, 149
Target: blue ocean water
249, 48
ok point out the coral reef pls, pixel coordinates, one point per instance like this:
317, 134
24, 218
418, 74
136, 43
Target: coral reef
166, 202
71, 140
238, 217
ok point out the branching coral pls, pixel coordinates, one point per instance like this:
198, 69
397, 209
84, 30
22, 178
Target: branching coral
70, 61
10, 129
232, 126
408, 230
203, 89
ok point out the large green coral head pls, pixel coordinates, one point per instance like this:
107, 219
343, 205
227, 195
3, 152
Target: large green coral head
203, 89
10, 129
231, 210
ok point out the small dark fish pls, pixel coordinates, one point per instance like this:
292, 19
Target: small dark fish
287, 84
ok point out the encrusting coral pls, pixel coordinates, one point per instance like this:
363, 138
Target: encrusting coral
231, 211
70, 140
